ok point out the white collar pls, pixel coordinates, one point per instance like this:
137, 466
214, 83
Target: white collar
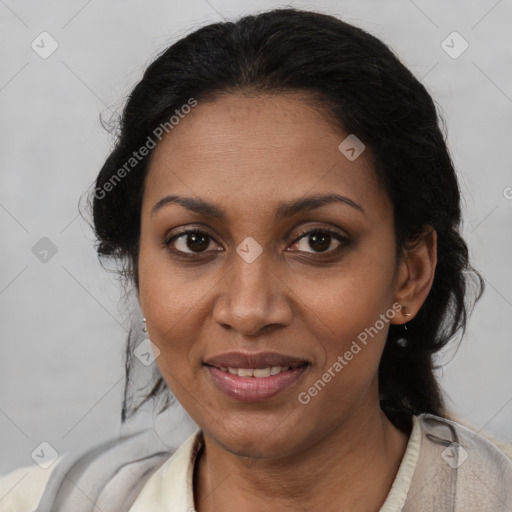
170, 488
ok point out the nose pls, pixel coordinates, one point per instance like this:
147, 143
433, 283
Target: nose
252, 298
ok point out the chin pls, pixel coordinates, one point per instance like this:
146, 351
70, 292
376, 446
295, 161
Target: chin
274, 439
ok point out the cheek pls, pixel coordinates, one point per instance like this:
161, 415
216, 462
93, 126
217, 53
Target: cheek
351, 340
177, 304
352, 323
352, 295
350, 313
166, 303
167, 293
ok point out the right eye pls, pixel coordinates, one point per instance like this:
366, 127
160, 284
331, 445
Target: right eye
189, 242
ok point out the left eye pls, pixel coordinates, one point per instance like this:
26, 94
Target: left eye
320, 240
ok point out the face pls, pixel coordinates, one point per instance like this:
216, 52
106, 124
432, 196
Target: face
257, 283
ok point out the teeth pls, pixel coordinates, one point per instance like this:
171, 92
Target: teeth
265, 372
258, 373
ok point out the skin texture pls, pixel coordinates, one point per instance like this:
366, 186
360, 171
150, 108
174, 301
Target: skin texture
248, 154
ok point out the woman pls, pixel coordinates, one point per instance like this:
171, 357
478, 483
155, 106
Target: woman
283, 200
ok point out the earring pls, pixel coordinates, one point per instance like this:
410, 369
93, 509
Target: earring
144, 328
403, 342
403, 311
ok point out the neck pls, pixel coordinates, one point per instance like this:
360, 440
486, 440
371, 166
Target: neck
354, 466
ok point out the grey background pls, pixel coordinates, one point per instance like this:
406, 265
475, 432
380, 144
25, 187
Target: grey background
62, 322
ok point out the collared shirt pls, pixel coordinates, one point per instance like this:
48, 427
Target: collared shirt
173, 482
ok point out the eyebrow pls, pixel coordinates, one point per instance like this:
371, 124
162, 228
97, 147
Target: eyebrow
284, 210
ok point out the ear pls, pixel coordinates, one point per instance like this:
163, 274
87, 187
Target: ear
415, 274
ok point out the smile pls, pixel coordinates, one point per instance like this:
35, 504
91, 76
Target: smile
257, 372
255, 384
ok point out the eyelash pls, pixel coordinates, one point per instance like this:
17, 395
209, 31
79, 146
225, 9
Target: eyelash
344, 242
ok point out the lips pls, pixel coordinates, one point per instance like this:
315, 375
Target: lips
254, 361
255, 377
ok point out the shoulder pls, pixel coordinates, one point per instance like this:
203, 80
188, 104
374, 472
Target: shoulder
484, 447
504, 446
110, 473
21, 489
463, 467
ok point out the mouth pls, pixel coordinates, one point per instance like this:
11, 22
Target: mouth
254, 361
255, 377
259, 373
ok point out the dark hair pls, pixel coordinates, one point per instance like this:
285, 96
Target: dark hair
366, 91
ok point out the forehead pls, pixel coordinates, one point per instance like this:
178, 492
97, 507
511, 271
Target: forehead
249, 149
